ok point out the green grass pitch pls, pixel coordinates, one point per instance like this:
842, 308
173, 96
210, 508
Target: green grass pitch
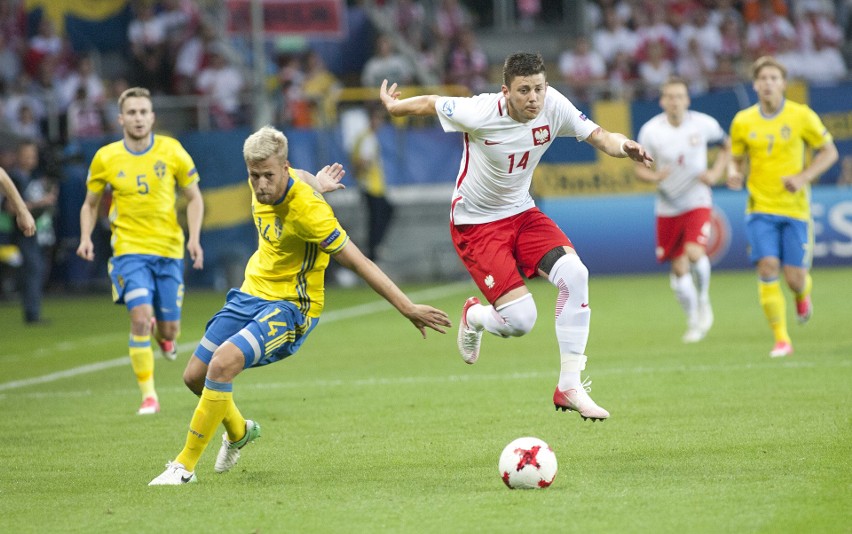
371, 429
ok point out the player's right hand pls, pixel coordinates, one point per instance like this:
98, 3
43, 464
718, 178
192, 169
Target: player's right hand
735, 180
389, 96
86, 250
424, 316
26, 223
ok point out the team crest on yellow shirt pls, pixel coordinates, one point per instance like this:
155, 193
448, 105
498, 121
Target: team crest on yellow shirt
160, 169
279, 228
785, 132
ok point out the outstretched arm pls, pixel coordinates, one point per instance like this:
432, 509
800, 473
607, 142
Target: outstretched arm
714, 174
421, 315
416, 105
23, 217
327, 179
619, 146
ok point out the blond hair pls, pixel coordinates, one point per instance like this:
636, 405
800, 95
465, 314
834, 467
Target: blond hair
130, 93
265, 143
767, 61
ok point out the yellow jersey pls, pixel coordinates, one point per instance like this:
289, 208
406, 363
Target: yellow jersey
295, 237
775, 147
371, 178
142, 216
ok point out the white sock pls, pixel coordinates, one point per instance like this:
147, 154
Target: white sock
702, 268
511, 319
687, 296
573, 316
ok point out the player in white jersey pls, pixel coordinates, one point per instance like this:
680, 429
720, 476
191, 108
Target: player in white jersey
678, 140
495, 226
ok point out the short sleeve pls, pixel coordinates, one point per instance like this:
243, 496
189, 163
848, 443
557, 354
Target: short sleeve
96, 181
186, 174
738, 140
814, 132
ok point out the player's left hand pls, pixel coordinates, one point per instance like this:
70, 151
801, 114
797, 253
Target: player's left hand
196, 253
637, 153
794, 183
423, 316
329, 177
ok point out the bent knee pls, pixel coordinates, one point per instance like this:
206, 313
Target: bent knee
519, 316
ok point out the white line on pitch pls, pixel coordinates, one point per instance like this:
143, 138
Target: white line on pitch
334, 315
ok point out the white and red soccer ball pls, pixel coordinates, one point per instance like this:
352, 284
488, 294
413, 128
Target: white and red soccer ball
527, 463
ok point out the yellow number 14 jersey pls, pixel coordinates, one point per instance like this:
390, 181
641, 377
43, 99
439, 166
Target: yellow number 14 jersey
142, 215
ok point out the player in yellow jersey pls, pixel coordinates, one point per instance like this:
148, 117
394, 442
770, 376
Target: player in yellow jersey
146, 269
768, 142
279, 303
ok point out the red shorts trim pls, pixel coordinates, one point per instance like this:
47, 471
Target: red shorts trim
674, 232
497, 253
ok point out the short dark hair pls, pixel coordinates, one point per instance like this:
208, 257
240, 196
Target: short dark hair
522, 64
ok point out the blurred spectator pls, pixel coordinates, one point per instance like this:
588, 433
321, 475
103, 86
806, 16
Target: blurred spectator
708, 35
583, 70
732, 41
725, 74
614, 37
845, 178
21, 95
147, 36
191, 57
83, 76
27, 126
10, 61
651, 30
293, 108
40, 194
450, 18
13, 25
408, 18
622, 77
44, 44
528, 12
656, 69
753, 10
366, 161
386, 64
85, 117
322, 91
467, 63
772, 35
820, 39
111, 110
223, 83
695, 65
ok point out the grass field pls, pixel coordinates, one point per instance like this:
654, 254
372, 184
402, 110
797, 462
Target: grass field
371, 429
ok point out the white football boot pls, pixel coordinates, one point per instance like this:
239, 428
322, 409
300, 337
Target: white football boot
578, 400
174, 475
229, 453
469, 338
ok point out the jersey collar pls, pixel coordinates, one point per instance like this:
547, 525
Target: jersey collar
150, 145
287, 190
779, 110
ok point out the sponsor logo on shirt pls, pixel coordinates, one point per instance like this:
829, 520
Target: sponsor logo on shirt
541, 135
330, 239
448, 108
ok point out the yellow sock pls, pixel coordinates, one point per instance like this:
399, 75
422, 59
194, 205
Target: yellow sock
142, 361
208, 414
806, 291
774, 308
234, 422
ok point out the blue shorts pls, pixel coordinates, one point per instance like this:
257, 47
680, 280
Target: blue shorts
265, 331
146, 279
790, 240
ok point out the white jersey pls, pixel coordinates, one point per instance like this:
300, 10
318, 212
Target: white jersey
683, 149
500, 153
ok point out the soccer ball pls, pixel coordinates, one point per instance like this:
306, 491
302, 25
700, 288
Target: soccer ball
527, 463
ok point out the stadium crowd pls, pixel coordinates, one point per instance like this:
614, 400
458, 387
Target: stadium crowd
54, 95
